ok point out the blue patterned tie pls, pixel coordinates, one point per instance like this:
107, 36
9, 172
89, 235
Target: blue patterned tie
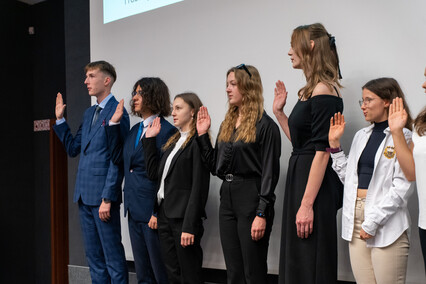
138, 137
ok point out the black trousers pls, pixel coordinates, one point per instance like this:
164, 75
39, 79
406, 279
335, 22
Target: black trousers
422, 234
245, 259
183, 265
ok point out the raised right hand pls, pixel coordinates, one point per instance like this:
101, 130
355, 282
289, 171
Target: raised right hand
203, 121
280, 97
60, 107
154, 128
397, 115
337, 127
118, 114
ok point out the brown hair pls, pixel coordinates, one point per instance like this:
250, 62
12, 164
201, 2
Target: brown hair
251, 110
194, 103
320, 63
104, 67
420, 123
155, 95
388, 89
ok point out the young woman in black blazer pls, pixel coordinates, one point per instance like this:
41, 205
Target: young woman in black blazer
182, 193
246, 158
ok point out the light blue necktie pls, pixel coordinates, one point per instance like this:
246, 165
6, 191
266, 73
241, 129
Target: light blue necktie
138, 136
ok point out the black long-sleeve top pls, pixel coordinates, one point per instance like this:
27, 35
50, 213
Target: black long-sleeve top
259, 159
366, 160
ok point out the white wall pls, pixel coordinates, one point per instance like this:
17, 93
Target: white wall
191, 45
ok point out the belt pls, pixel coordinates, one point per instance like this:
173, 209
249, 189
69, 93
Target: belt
232, 177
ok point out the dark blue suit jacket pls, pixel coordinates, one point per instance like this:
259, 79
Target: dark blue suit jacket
97, 177
140, 192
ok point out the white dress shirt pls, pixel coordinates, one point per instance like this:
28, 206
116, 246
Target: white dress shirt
419, 153
386, 213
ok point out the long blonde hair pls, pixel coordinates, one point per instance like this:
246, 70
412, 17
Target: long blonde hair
194, 103
320, 63
251, 110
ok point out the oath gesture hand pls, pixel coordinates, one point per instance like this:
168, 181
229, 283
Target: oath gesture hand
280, 97
60, 107
118, 114
337, 127
203, 121
397, 115
154, 128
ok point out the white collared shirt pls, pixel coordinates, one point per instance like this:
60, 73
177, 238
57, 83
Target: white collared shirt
419, 154
386, 213
146, 122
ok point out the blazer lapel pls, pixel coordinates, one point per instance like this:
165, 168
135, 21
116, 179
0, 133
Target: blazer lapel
138, 150
86, 127
101, 119
179, 152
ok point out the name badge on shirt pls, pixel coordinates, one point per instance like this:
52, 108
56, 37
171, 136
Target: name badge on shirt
389, 152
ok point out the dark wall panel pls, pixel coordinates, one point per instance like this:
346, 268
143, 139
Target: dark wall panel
77, 47
16, 150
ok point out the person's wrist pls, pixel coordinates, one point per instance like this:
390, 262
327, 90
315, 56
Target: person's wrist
279, 112
334, 144
307, 204
106, 200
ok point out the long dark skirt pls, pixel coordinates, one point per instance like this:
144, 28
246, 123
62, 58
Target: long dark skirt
311, 260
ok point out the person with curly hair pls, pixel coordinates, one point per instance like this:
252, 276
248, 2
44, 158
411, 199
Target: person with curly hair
150, 99
246, 158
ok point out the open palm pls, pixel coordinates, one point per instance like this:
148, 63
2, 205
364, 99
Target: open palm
337, 128
203, 121
397, 115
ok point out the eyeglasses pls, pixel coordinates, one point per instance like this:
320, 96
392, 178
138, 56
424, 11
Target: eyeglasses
244, 67
365, 101
134, 93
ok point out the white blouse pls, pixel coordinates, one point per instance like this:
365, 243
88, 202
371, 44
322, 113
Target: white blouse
179, 143
419, 153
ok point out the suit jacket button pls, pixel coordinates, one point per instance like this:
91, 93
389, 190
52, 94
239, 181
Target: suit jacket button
131, 170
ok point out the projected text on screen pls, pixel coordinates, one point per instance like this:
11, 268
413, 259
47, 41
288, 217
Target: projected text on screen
119, 9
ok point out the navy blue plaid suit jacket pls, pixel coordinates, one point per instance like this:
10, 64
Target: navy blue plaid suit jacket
97, 177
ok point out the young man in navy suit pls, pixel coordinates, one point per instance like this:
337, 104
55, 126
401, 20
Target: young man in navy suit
98, 184
150, 99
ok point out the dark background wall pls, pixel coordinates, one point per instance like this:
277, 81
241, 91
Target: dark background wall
33, 69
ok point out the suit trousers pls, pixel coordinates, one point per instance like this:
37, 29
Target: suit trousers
183, 265
149, 264
377, 265
102, 243
245, 259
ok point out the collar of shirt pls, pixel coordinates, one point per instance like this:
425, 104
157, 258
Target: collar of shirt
104, 102
148, 120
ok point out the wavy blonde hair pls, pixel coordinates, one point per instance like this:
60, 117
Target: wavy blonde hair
251, 110
194, 103
320, 63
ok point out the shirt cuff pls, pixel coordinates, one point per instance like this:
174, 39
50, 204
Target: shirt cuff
60, 121
369, 227
110, 123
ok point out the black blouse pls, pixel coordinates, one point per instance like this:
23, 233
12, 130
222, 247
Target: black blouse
260, 159
309, 122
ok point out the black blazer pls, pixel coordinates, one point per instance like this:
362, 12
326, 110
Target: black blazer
186, 185
139, 190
